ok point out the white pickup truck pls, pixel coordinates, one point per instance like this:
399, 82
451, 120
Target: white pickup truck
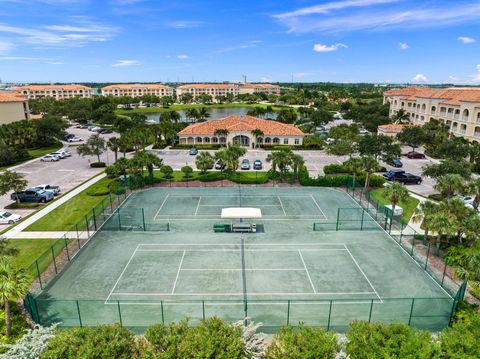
49, 188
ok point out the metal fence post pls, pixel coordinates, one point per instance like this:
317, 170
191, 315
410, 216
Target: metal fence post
329, 315
444, 273
54, 261
428, 254
288, 312
94, 219
88, 230
413, 244
38, 273
143, 219
119, 220
371, 309
76, 228
79, 315
66, 247
338, 217
119, 313
203, 309
363, 216
161, 308
411, 312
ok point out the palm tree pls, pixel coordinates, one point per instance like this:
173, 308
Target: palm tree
191, 113
423, 214
257, 133
297, 164
222, 132
395, 193
148, 160
14, 283
203, 114
442, 225
204, 161
113, 144
353, 164
450, 184
369, 164
473, 188
6, 250
455, 209
174, 116
401, 117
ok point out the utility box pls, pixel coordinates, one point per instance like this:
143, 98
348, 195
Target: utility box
398, 211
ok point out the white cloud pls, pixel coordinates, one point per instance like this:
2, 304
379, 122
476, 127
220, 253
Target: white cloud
466, 39
5, 46
476, 77
247, 45
124, 63
326, 48
403, 16
420, 78
453, 78
403, 46
182, 57
185, 24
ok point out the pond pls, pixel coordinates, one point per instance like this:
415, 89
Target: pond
215, 113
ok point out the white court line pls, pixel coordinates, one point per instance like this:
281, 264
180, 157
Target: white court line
281, 204
150, 294
252, 302
318, 206
178, 272
306, 270
246, 250
161, 206
361, 271
121, 274
248, 244
224, 205
240, 269
198, 205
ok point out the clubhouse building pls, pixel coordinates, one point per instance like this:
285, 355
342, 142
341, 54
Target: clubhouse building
137, 90
58, 92
458, 108
237, 129
13, 107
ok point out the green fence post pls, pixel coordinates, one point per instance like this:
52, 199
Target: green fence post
76, 228
161, 308
94, 219
38, 273
119, 220
111, 202
428, 254
66, 247
452, 311
444, 273
79, 315
413, 244
38, 313
54, 261
203, 309
288, 312
371, 309
143, 219
411, 312
88, 230
329, 315
338, 217
363, 216
119, 313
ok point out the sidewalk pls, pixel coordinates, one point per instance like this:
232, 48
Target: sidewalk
416, 225
17, 231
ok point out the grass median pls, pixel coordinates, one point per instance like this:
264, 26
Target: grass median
408, 206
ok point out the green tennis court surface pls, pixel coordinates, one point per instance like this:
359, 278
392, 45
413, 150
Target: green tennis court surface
285, 274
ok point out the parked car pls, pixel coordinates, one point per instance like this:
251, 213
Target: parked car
396, 163
105, 131
363, 131
67, 136
408, 178
193, 151
75, 139
257, 165
46, 187
49, 158
9, 218
245, 164
219, 165
329, 141
32, 195
94, 128
392, 173
87, 125
415, 155
59, 154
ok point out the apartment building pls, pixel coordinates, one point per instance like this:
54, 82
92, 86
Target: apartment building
58, 92
213, 90
257, 88
13, 107
137, 90
458, 108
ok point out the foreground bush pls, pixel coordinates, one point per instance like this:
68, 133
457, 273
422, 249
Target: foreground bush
378, 340
19, 325
303, 343
31, 345
213, 338
104, 341
462, 340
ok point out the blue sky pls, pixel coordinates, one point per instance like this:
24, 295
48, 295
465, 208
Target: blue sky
268, 40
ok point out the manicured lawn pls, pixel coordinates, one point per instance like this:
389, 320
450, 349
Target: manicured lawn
64, 217
30, 249
184, 107
408, 206
42, 151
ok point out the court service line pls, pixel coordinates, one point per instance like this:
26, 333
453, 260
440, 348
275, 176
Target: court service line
246, 250
251, 302
152, 294
306, 270
318, 206
248, 244
178, 272
281, 204
121, 274
361, 271
240, 269
161, 206
198, 205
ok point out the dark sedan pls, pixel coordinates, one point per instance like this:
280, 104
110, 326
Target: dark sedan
415, 155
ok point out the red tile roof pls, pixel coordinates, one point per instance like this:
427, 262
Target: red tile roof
52, 87
392, 128
136, 86
11, 97
207, 86
259, 86
449, 96
242, 123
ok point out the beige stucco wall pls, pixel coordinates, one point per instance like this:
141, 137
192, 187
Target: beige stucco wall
183, 139
11, 112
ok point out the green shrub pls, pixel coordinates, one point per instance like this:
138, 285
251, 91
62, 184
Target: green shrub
22, 205
211, 176
305, 342
462, 340
250, 177
97, 164
378, 340
335, 168
199, 147
212, 338
104, 341
160, 145
19, 325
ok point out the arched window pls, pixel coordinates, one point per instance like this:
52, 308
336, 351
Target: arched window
198, 140
268, 140
466, 113
276, 140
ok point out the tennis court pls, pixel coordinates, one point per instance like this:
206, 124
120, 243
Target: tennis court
157, 259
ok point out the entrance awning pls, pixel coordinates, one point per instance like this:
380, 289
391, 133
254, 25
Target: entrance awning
241, 212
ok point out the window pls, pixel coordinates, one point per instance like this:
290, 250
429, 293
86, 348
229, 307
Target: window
297, 141
285, 141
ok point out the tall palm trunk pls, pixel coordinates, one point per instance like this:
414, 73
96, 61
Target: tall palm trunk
367, 179
8, 319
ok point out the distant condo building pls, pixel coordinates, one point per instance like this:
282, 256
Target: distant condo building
257, 88
458, 108
13, 107
58, 92
137, 90
213, 90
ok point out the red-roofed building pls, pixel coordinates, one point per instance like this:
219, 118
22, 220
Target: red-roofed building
58, 92
137, 90
13, 107
258, 88
240, 131
458, 108
213, 90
